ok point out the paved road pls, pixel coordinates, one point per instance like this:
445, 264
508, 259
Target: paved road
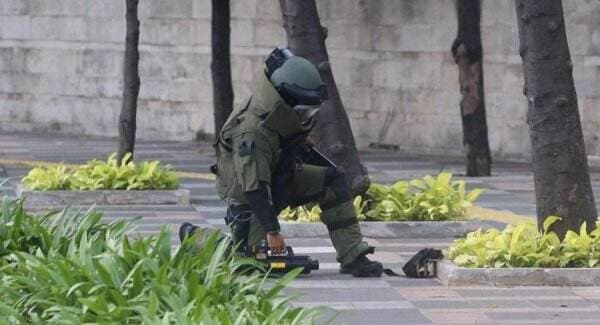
389, 300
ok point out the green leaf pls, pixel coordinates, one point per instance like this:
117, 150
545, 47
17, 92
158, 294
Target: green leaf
549, 221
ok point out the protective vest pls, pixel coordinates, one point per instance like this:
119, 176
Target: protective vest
250, 143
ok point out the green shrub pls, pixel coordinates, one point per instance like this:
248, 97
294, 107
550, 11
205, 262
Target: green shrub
301, 214
305, 214
523, 245
69, 268
426, 199
103, 175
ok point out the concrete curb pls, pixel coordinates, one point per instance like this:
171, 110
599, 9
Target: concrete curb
46, 199
394, 229
451, 275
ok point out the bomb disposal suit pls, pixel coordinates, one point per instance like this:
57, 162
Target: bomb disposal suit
260, 169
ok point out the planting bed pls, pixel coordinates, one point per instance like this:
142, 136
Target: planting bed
34, 199
451, 275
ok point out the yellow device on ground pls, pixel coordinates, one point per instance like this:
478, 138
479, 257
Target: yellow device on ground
283, 263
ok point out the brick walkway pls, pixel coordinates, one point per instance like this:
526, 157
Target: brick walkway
389, 300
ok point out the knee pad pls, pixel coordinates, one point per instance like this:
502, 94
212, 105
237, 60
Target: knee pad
337, 190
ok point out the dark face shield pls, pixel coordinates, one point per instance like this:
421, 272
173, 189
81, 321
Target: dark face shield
296, 95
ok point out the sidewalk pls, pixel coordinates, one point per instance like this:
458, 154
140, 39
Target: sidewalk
388, 300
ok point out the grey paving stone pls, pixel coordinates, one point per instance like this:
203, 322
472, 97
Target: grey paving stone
211, 209
345, 294
476, 292
471, 303
208, 203
144, 208
562, 303
342, 281
215, 221
205, 193
308, 242
553, 314
377, 317
407, 249
209, 197
398, 282
190, 184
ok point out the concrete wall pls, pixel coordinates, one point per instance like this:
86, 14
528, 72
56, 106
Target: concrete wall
60, 67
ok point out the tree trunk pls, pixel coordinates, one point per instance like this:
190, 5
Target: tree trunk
332, 133
221, 63
561, 178
467, 53
131, 82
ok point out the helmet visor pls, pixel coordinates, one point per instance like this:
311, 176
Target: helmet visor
302, 96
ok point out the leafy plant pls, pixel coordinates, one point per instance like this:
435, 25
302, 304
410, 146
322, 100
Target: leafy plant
522, 245
301, 214
389, 202
426, 199
71, 268
305, 214
50, 177
101, 175
360, 205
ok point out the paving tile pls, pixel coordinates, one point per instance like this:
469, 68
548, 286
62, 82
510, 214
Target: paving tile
212, 203
402, 281
427, 293
189, 183
144, 208
308, 242
453, 303
587, 293
445, 316
346, 294
377, 317
546, 314
362, 305
211, 213
349, 282
475, 292
203, 193
214, 209
562, 303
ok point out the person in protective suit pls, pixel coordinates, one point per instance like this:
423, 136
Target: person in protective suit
260, 168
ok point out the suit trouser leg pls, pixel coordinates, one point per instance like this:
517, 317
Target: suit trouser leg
327, 186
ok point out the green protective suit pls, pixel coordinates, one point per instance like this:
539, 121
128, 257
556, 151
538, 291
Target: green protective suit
249, 152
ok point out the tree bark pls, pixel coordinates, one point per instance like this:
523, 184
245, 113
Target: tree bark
468, 54
221, 63
131, 82
332, 133
560, 168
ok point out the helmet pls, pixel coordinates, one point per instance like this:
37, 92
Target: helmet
295, 78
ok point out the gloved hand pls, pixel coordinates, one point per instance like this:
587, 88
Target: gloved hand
276, 243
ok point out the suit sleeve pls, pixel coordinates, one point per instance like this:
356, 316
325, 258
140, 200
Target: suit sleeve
252, 161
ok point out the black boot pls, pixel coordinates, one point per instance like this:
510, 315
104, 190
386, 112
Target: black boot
363, 267
185, 230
